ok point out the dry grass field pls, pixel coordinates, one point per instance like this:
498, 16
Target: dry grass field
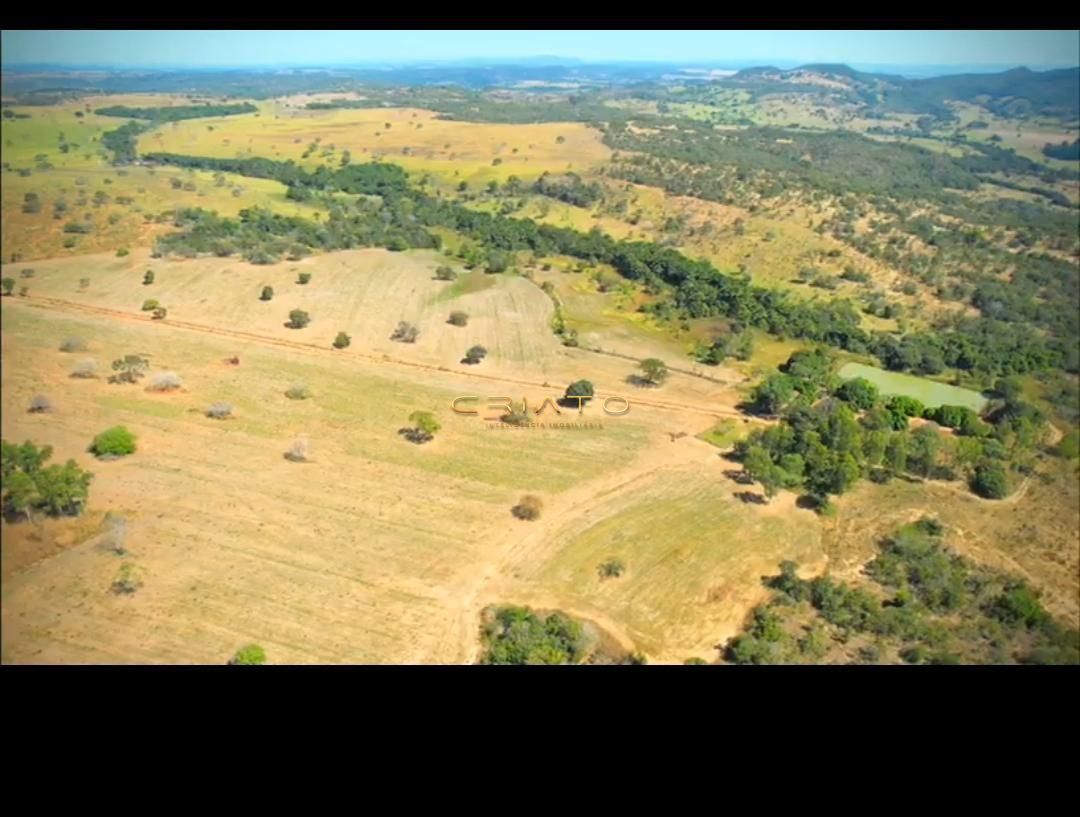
378, 550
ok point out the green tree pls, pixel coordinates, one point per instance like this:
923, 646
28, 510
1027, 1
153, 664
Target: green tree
656, 371
8, 284
116, 441
923, 451
445, 273
773, 394
298, 319
130, 368
859, 392
424, 427
579, 393
458, 318
474, 355
148, 278
342, 340
267, 293
761, 468
303, 278
990, 480
249, 656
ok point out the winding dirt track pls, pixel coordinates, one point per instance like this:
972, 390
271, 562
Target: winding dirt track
313, 348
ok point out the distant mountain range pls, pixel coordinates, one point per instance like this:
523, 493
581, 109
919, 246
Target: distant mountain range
1014, 92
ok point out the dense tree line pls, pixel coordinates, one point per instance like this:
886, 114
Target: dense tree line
1066, 151
831, 435
698, 289
123, 142
923, 605
177, 113
569, 187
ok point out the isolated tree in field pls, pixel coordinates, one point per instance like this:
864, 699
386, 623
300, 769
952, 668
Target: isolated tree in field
150, 304
299, 450
474, 355
424, 426
73, 345
148, 277
298, 391
528, 508
85, 369
39, 403
165, 381
342, 340
298, 319
219, 411
267, 294
578, 393
612, 568
8, 284
405, 333
114, 442
445, 273
656, 371
130, 368
458, 318
250, 656
303, 278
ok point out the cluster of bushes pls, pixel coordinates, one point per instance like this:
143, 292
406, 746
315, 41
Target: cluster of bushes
516, 635
924, 604
29, 485
176, 113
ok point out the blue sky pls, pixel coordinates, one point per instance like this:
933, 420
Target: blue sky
249, 48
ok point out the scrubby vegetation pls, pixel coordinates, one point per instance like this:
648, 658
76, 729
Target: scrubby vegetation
114, 442
517, 635
919, 603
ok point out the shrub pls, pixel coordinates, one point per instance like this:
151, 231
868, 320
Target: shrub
303, 278
148, 278
219, 411
516, 418
298, 391
39, 403
267, 294
24, 291
120, 253
130, 368
165, 381
85, 369
445, 273
423, 429
474, 355
298, 319
342, 340
405, 333
612, 569
84, 283
8, 284
990, 480
299, 450
73, 345
127, 580
150, 304
528, 508
114, 442
26, 273
458, 318
250, 656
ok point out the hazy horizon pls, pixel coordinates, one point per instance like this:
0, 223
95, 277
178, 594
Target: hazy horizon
949, 51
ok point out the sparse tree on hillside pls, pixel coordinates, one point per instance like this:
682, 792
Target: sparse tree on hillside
474, 355
458, 318
342, 340
267, 294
